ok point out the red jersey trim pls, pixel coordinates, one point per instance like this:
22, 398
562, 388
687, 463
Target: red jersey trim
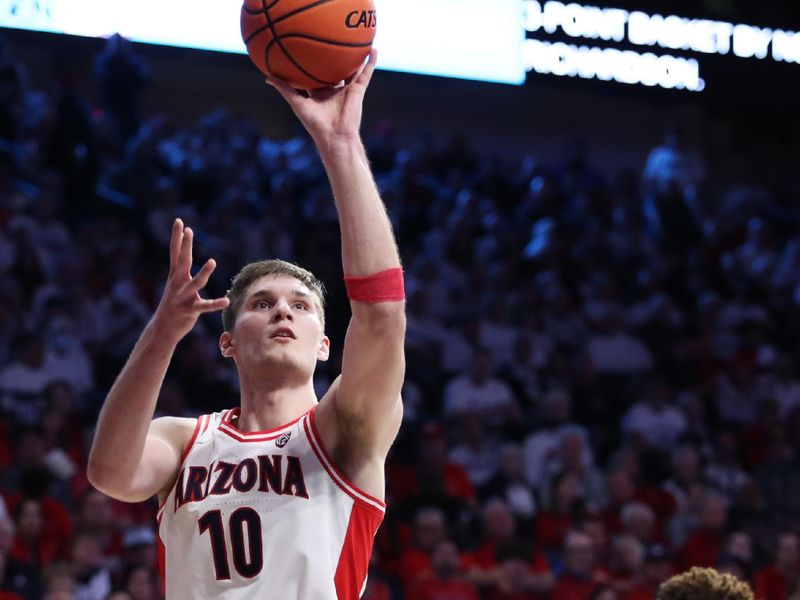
334, 473
162, 561
353, 566
199, 428
229, 429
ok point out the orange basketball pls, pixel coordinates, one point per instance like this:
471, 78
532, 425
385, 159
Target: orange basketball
310, 43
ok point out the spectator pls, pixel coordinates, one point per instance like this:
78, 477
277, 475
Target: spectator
724, 472
562, 514
479, 392
140, 582
778, 580
31, 547
501, 542
518, 576
655, 421
477, 454
703, 547
23, 383
639, 521
433, 479
442, 582
60, 583
627, 560
685, 473
430, 530
121, 76
579, 578
96, 517
138, 549
613, 350
508, 483
92, 578
540, 445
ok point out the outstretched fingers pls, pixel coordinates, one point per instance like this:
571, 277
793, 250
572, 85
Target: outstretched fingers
175, 244
207, 306
185, 257
200, 280
365, 75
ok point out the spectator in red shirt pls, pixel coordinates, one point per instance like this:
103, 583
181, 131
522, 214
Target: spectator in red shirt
96, 516
499, 544
627, 560
621, 490
60, 583
703, 546
780, 579
520, 574
656, 569
429, 531
580, 577
497, 525
443, 581
30, 546
739, 546
639, 520
433, 480
553, 523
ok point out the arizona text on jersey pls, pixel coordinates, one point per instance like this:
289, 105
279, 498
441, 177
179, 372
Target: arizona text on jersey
264, 515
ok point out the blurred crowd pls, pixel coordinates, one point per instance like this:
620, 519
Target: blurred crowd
603, 379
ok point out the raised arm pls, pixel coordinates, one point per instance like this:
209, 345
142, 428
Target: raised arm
133, 456
367, 399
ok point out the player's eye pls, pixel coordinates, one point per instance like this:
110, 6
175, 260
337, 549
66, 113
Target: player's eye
300, 305
262, 304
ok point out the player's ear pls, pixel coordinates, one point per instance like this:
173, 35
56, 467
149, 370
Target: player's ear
226, 344
324, 350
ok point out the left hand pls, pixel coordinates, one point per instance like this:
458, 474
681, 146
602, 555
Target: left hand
330, 114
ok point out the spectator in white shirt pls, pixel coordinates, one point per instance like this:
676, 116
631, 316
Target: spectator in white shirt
655, 421
479, 391
541, 446
477, 454
724, 472
613, 350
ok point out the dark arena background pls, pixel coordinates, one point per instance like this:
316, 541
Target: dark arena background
603, 275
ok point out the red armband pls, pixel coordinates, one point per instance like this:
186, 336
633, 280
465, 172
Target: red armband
386, 286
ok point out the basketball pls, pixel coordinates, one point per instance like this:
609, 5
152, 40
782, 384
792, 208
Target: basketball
311, 44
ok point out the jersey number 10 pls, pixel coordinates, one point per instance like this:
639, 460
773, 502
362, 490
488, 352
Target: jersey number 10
247, 559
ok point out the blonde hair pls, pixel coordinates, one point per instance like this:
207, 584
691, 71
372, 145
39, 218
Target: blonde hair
264, 268
704, 584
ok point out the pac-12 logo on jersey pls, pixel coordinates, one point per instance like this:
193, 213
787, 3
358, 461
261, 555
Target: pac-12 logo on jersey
283, 440
264, 473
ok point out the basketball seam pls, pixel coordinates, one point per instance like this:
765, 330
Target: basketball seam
314, 39
277, 39
259, 12
269, 25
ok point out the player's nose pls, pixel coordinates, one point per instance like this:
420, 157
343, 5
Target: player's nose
282, 311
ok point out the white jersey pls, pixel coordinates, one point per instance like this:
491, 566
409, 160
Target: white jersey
264, 515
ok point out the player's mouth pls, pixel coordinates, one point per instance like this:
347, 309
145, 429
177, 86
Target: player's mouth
282, 333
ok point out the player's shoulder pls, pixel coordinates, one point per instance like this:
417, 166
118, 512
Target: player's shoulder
176, 431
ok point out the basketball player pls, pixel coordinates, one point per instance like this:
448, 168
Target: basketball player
279, 498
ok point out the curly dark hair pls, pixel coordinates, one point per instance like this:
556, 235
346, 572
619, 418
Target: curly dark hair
704, 584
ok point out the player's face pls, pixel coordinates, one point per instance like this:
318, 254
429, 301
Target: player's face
277, 324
